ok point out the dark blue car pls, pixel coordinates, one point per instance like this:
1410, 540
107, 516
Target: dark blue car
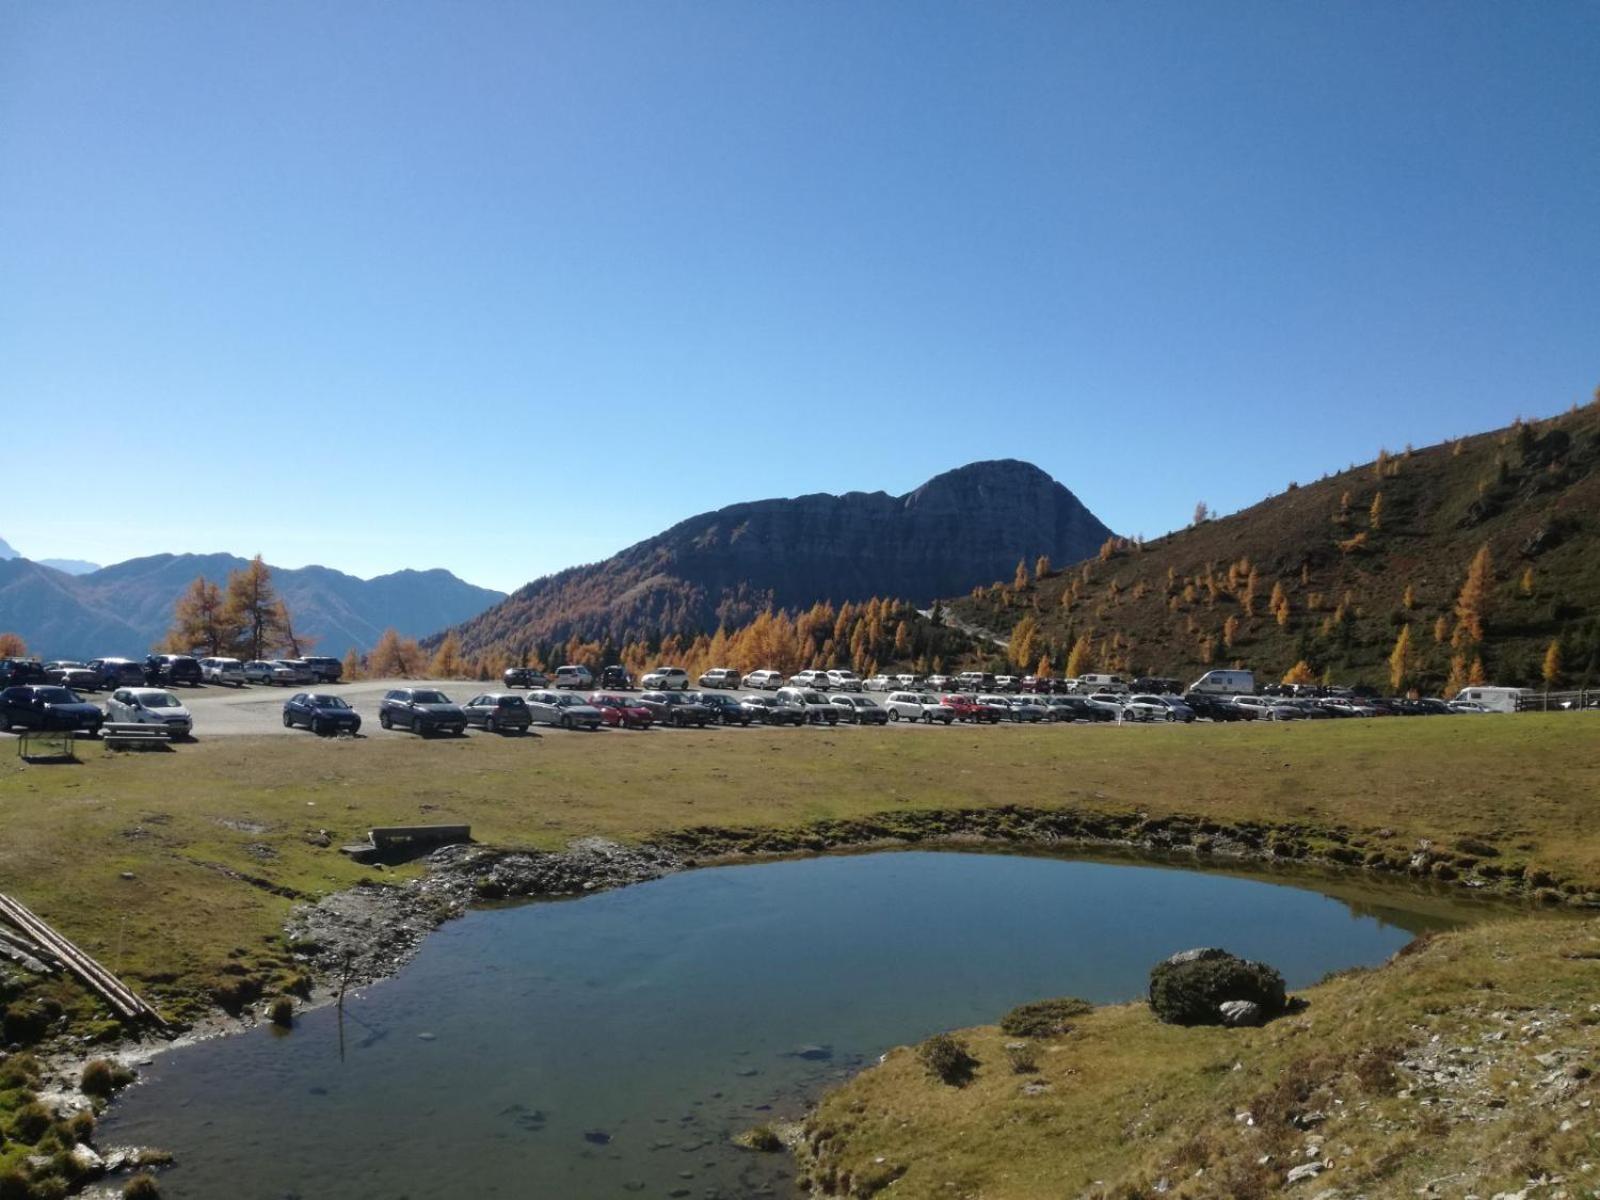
48, 706
321, 713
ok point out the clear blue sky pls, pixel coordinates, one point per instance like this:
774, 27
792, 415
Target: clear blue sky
503, 287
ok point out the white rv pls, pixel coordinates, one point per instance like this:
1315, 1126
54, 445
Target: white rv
1495, 699
1225, 683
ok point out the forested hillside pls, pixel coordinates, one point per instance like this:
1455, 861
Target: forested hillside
1477, 558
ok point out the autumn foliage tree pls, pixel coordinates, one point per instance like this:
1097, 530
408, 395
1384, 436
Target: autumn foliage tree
1401, 662
251, 609
395, 657
1551, 670
199, 622
1472, 603
1301, 673
12, 646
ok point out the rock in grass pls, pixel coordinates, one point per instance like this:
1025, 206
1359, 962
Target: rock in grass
1190, 988
1241, 1014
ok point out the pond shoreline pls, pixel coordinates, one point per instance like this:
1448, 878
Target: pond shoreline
365, 934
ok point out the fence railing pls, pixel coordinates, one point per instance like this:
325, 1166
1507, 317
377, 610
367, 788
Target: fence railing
1531, 701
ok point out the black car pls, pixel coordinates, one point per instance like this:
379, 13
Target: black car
615, 678
320, 713
675, 708
1217, 708
20, 670
524, 677
172, 670
424, 711
1078, 708
117, 672
860, 710
329, 670
48, 706
724, 708
768, 711
498, 712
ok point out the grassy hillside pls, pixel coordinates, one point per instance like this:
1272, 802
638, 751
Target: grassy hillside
1354, 558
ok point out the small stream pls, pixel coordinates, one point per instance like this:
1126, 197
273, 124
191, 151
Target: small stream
610, 1046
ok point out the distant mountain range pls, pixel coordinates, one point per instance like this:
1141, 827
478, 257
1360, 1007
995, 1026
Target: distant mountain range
966, 527
126, 608
72, 566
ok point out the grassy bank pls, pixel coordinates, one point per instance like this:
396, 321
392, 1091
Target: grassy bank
180, 868
1463, 1068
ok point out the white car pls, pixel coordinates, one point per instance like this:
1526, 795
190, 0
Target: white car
1109, 702
764, 681
1007, 683
665, 679
817, 708
149, 706
918, 706
939, 683
809, 679
843, 681
880, 683
562, 708
1469, 706
575, 677
1350, 706
906, 682
298, 672
223, 670
1267, 708
720, 677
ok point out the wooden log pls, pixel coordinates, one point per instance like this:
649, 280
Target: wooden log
124, 1001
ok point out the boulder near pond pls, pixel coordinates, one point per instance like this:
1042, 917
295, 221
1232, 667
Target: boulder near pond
1210, 986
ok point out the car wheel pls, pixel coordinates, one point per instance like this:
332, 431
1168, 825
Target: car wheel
566, 721
490, 725
318, 727
383, 720
288, 721
894, 714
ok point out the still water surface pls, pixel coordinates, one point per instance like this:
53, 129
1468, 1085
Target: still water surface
610, 1046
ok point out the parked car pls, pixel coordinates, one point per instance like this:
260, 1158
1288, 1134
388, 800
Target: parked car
859, 710
20, 670
1156, 685
766, 681
812, 703
722, 707
172, 670
918, 706
622, 711
768, 711
843, 681
424, 711
565, 709
879, 683
1217, 708
298, 671
1007, 683
1469, 706
48, 706
1106, 702
675, 708
74, 675
720, 677
1026, 709
1268, 708
117, 672
666, 679
150, 706
328, 668
1225, 683
934, 683
321, 713
524, 677
967, 708
498, 712
910, 683
615, 678
1077, 708
811, 678
573, 678
1341, 706
1147, 707
228, 671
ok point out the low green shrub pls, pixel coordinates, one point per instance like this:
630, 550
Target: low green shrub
1189, 989
1024, 1059
31, 1122
281, 1012
141, 1187
101, 1077
761, 1138
947, 1059
1043, 1018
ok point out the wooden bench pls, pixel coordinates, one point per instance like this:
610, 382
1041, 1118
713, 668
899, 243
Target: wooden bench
389, 839
119, 735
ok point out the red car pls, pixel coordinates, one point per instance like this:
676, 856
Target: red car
968, 709
619, 710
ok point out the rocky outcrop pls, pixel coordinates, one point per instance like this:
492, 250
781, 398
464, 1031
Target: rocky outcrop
966, 527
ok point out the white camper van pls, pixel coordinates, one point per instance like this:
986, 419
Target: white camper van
1225, 683
1495, 699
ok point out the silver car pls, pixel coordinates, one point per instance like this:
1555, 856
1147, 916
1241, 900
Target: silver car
565, 709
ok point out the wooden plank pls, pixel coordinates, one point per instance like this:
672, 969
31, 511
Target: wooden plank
124, 1001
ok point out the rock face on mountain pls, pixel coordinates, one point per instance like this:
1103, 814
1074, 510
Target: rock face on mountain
126, 608
960, 529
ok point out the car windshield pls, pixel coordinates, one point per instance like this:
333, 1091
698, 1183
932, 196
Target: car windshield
327, 701
814, 698
429, 698
159, 700
568, 700
57, 695
511, 702
863, 702
608, 701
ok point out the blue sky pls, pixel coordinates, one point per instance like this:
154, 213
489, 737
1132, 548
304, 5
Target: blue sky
506, 287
